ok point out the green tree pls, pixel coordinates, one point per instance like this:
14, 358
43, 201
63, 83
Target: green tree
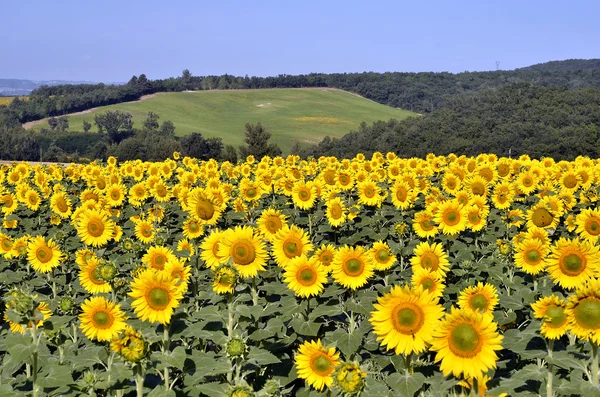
151, 122
257, 142
117, 124
195, 145
87, 126
229, 154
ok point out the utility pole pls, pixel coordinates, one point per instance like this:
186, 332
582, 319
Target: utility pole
497, 65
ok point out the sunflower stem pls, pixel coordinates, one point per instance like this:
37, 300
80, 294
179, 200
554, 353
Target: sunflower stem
254, 292
34, 364
139, 380
408, 364
595, 363
549, 392
352, 324
475, 388
166, 347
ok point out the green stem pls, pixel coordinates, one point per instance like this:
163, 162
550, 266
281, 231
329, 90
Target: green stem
230, 328
475, 388
408, 364
549, 392
139, 380
166, 347
307, 308
352, 325
254, 292
34, 365
595, 364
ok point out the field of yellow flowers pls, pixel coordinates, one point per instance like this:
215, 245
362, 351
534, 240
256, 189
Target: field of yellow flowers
378, 276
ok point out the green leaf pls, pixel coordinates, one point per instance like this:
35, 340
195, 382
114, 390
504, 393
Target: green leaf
210, 313
304, 327
262, 357
406, 385
20, 347
175, 359
375, 388
160, 391
59, 375
212, 389
274, 326
346, 342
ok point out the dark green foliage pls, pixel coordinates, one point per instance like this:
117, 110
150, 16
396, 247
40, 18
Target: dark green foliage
118, 125
71, 142
257, 142
19, 144
87, 126
195, 145
229, 154
513, 120
146, 146
151, 122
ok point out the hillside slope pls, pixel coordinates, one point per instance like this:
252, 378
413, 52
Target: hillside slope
303, 115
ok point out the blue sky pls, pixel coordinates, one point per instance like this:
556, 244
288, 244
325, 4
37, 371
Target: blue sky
106, 40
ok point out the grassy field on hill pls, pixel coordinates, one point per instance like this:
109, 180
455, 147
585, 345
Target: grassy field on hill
304, 115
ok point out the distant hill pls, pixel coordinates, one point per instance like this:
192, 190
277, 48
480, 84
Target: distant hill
291, 115
566, 65
16, 87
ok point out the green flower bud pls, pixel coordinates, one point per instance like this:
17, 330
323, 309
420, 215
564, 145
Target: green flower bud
65, 304
236, 347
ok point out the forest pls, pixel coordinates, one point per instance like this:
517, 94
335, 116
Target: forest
512, 120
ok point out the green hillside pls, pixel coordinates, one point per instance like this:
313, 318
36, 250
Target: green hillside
304, 115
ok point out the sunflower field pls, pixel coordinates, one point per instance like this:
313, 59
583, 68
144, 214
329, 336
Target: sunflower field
381, 276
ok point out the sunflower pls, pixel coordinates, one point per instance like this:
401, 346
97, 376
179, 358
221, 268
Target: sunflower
527, 182
570, 180
304, 195
476, 185
530, 256
573, 262
250, 190
184, 245
428, 280
91, 279
503, 195
588, 225
61, 205
115, 195
369, 193
270, 222
157, 257
476, 218
245, 249
430, 256
515, 218
316, 363
101, 319
452, 217
95, 228
424, 225
542, 216
305, 276
336, 212
155, 295
131, 345
32, 200
290, 242
349, 378
203, 207
161, 192
226, 278
352, 267
180, 273
482, 298
404, 319
325, 255
583, 312
210, 249
382, 256
451, 183
144, 231
465, 342
137, 194
43, 256
6, 245
551, 309
42, 310
402, 195
9, 203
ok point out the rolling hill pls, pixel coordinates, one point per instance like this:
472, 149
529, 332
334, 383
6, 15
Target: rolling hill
303, 115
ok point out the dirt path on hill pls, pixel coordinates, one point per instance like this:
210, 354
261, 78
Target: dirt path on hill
35, 123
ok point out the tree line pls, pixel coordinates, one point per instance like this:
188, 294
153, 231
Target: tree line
511, 120
117, 136
418, 92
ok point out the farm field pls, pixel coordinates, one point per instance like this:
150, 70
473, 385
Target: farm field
5, 100
303, 115
367, 277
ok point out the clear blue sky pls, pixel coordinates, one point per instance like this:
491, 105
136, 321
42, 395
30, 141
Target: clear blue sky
106, 40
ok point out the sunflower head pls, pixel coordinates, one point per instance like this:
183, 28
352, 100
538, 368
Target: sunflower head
131, 345
583, 312
551, 309
236, 347
481, 298
316, 364
349, 378
226, 278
